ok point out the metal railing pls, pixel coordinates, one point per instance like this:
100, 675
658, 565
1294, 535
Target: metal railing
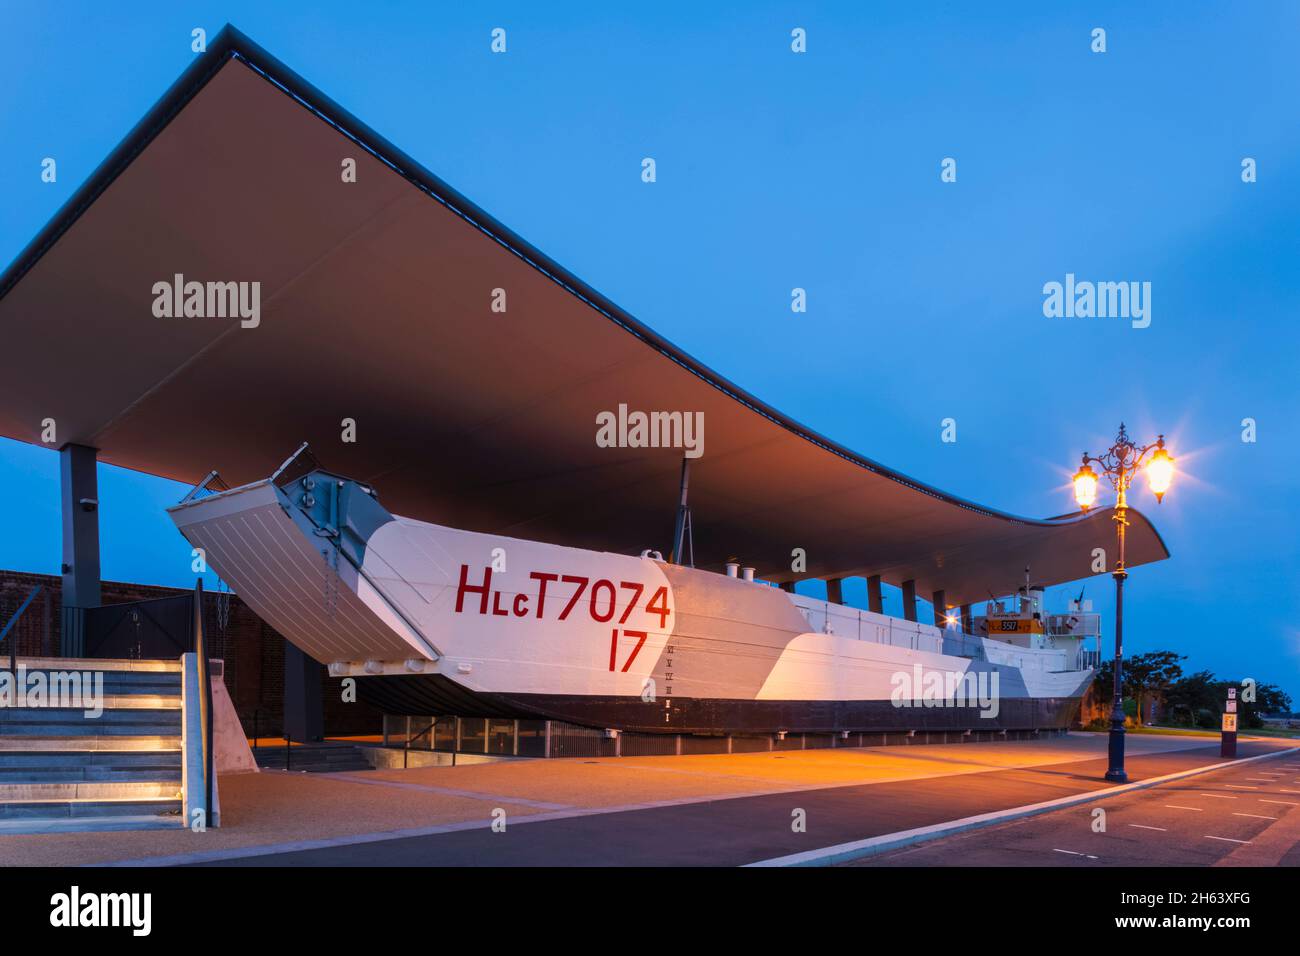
13, 642
205, 700
406, 749
877, 628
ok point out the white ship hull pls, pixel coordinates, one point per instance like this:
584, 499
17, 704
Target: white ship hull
441, 621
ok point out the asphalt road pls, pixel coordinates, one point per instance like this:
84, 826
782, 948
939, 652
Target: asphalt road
749, 829
1247, 815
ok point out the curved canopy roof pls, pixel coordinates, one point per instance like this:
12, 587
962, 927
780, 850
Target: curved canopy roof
375, 303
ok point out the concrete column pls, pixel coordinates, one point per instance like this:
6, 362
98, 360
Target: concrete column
304, 716
79, 500
940, 606
967, 625
835, 590
909, 600
874, 600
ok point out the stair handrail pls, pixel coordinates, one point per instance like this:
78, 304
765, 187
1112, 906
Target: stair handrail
406, 749
205, 700
13, 644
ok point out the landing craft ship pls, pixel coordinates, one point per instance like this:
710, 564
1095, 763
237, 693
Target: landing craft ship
436, 620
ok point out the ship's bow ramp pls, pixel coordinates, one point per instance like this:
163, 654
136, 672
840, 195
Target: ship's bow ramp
293, 576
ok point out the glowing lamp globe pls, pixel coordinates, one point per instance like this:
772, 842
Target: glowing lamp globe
1160, 472
1085, 486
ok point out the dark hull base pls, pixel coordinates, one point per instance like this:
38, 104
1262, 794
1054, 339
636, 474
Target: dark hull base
433, 695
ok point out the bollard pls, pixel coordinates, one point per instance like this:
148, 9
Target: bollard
1228, 735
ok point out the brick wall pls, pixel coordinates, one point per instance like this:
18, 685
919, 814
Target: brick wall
252, 651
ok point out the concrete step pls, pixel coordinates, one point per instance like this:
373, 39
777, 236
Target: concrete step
72, 721
65, 766
10, 775
89, 810
277, 762
320, 767
105, 664
132, 701
327, 758
62, 771
70, 824
81, 791
108, 682
58, 759
142, 701
86, 743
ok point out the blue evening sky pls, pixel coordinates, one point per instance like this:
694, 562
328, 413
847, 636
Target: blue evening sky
821, 171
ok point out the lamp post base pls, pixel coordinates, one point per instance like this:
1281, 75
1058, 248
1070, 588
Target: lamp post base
1116, 773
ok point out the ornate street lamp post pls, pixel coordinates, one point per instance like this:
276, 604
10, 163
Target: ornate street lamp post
1120, 464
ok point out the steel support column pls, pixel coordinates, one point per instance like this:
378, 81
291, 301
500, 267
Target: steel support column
79, 499
835, 590
875, 601
304, 716
681, 529
909, 600
940, 602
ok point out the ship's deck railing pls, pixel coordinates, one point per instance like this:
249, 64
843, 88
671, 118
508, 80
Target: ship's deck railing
1076, 624
828, 618
959, 644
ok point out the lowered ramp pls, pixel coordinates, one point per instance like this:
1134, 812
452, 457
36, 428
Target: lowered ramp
295, 577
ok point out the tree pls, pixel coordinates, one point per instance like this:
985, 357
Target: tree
1152, 673
1271, 699
1144, 674
1189, 697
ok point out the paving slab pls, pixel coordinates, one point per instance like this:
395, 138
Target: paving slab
716, 809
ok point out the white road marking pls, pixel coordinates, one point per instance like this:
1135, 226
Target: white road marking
1282, 790
1226, 839
1174, 806
1257, 816
1285, 803
1074, 853
1143, 827
1237, 786
1218, 796
1260, 779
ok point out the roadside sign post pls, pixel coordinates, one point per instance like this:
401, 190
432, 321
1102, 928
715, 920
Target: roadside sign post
1228, 739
